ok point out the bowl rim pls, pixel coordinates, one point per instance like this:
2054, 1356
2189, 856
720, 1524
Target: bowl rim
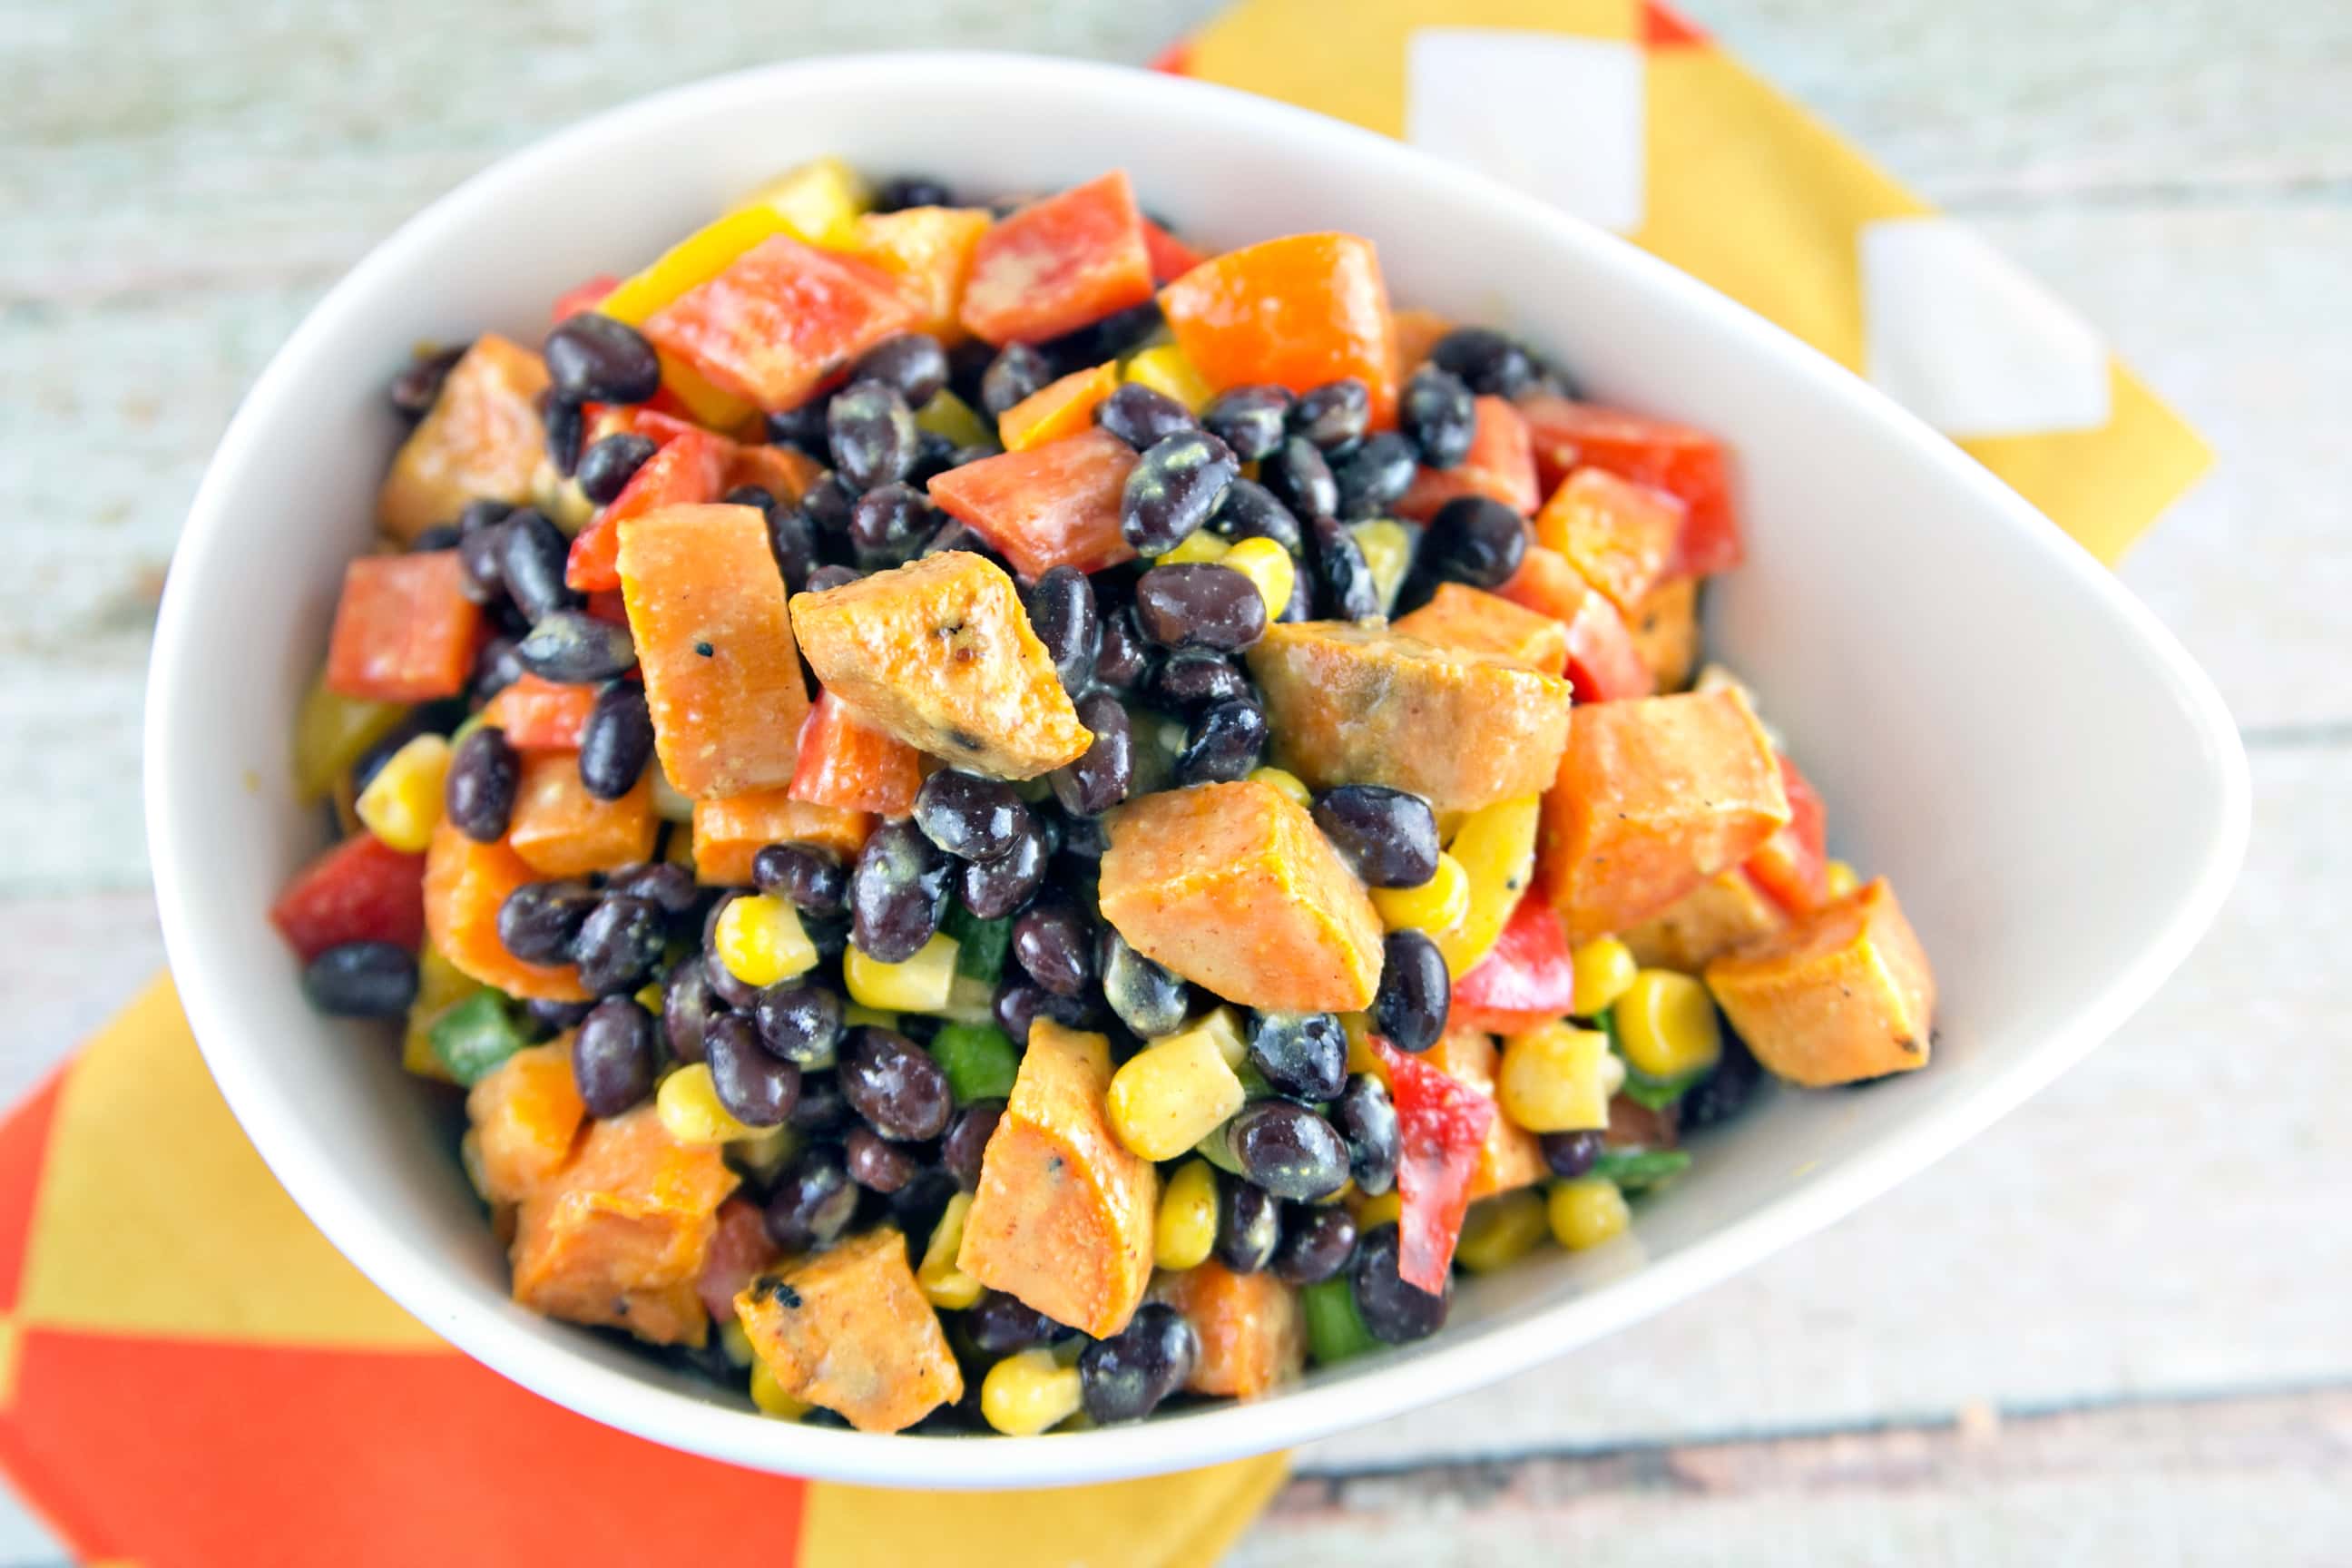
303, 1163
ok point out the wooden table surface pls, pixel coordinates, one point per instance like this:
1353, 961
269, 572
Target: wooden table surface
2114, 1329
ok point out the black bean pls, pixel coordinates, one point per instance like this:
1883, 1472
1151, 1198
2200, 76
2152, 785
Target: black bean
1125, 1377
759, 496
1250, 511
1368, 1121
999, 1324
1200, 605
911, 362
1249, 419
977, 451
824, 578
954, 535
968, 816
1375, 476
1344, 588
799, 1023
592, 358
1122, 657
897, 892
896, 1086
1288, 1150
934, 456
1304, 1055
1301, 477
439, 537
1416, 991
417, 386
791, 540
1101, 777
967, 1140
1020, 1004
995, 888
1052, 942
1335, 414
555, 1017
802, 427
1389, 836
575, 648
608, 465
1061, 606
1301, 606
613, 1056
1249, 1224
688, 1007
1475, 539
1172, 489
539, 922
481, 553
1142, 417
1190, 680
617, 741
1396, 1313
755, 1088
1148, 998
495, 668
1223, 744
916, 1207
361, 980
1317, 1240
823, 1111
813, 1201
912, 191
669, 886
531, 552
1438, 415
1084, 839
739, 994
1488, 362
876, 1163
890, 524
1569, 1155
479, 794
619, 945
1012, 375
813, 878
565, 428
1724, 1092
872, 435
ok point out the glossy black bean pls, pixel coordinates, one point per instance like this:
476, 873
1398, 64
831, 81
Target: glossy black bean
620, 944
495, 668
912, 191
791, 540
1101, 777
1303, 1055
975, 452
1490, 363
871, 434
813, 1201
361, 980
592, 358
1416, 991
1333, 416
1224, 743
611, 462
668, 886
1396, 1313
575, 648
1143, 417
739, 994
895, 1085
1149, 998
1200, 605
566, 427
890, 524
478, 792
999, 1324
1189, 681
1569, 1155
1055, 942
1083, 841
1250, 511
531, 552
539, 922
1249, 1224
1250, 419
440, 536
755, 1088
966, 1141
876, 1163
1437, 414
969, 816
813, 878
617, 741
1125, 1377
1172, 489
613, 1056
1061, 606
1121, 655
954, 535
554, 1018
1301, 477
481, 553
1389, 836
758, 496
1288, 1150
1474, 540
911, 362
799, 1022
822, 1112
1345, 589
801, 427
1012, 375
1375, 476
1317, 1241
897, 892
688, 1007
1366, 1118
995, 888
418, 386
1020, 1004
824, 578
934, 456
916, 1207
1725, 1092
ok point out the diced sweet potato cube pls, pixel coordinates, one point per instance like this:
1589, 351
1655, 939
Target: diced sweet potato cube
1234, 886
929, 251
1061, 408
1064, 1216
405, 630
562, 830
939, 654
1458, 615
1603, 665
782, 320
740, 1251
1655, 797
1364, 704
1843, 994
849, 1330
715, 642
1721, 913
464, 883
1252, 1335
1513, 1156
731, 830
1617, 534
1295, 311
1665, 628
482, 440
1054, 505
1686, 463
851, 765
541, 715
1501, 466
619, 1235
1058, 264
525, 1117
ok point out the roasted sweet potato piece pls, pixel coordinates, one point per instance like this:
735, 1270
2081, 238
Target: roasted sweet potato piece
1365, 704
1252, 1335
1793, 865
1052, 505
1061, 408
1721, 913
849, 1330
1058, 264
1064, 1216
525, 1117
1665, 628
1603, 665
929, 251
1234, 886
562, 830
939, 654
1501, 466
541, 715
740, 1251
1843, 994
715, 642
1458, 615
728, 831
782, 320
1655, 797
1619, 535
1297, 311
482, 440
464, 883
619, 1236
1513, 1156
1686, 463
405, 630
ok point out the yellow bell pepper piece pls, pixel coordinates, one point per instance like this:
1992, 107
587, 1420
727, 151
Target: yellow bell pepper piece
1166, 370
1496, 847
820, 202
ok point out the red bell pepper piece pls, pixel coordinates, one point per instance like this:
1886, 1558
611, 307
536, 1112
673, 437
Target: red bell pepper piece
1441, 1127
1046, 505
607, 605
1683, 462
1793, 865
361, 890
848, 763
1170, 256
541, 715
405, 630
1603, 665
1527, 978
784, 319
690, 467
583, 298
1058, 264
1501, 465
739, 1251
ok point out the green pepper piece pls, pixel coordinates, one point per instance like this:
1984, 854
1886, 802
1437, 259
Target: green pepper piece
476, 1036
981, 945
979, 1059
1335, 1329
1636, 1169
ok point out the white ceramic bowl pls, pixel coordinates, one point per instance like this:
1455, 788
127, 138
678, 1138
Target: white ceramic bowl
2054, 788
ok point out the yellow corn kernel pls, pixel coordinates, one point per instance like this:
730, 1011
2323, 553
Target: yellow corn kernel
1288, 783
1496, 847
1436, 905
1224, 1026
650, 998
1171, 1095
820, 202
1499, 1231
1198, 548
1186, 1228
920, 985
1386, 545
1587, 1212
770, 1397
1666, 1025
766, 1152
760, 941
688, 1104
332, 732
943, 1284
735, 1344
1027, 1394
1842, 879
858, 1016
951, 418
1385, 1209
1557, 1078
1604, 968
1268, 565
1166, 369
1359, 1029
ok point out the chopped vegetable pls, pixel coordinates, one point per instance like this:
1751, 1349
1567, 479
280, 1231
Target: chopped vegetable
1164, 369
921, 983
1528, 977
1727, 911
1499, 1231
1632, 1170
1170, 256
1058, 409
1495, 846
1501, 466
1684, 463
481, 440
333, 732
1603, 663
1058, 264
820, 201
525, 1114
404, 630
979, 1059
1842, 995
929, 251
1555, 1078
1665, 632
980, 944
1441, 1123
402, 802
1619, 535
782, 320
728, 830
689, 469
1793, 864
562, 830
1297, 313
1511, 1156
1054, 505
851, 765
475, 1038
849, 1330
464, 883
1335, 1329
1253, 1337
361, 890
1460, 616
541, 715
740, 1253
1171, 1094
1586, 1212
